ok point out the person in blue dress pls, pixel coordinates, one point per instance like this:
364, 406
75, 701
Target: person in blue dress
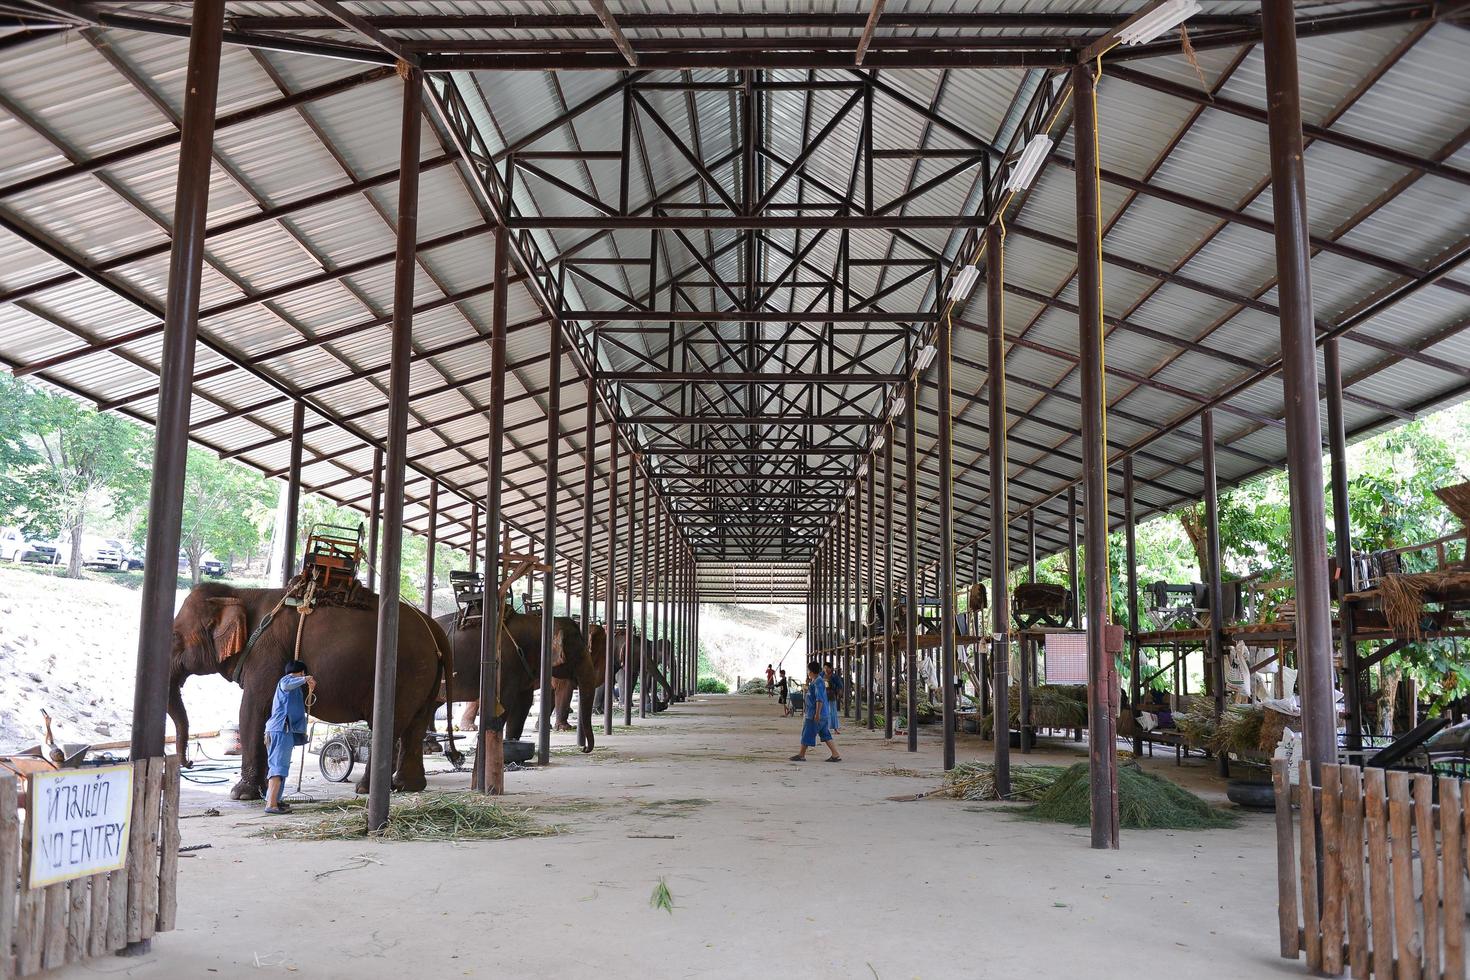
834, 683
814, 725
284, 730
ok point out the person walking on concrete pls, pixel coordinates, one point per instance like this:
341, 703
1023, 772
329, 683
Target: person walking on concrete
770, 680
284, 730
814, 725
783, 691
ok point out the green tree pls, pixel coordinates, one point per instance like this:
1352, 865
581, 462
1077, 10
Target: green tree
223, 502
68, 464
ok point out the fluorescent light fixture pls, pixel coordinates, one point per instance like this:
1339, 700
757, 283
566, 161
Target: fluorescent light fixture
925, 357
898, 406
863, 470
1026, 168
963, 283
879, 444
1159, 21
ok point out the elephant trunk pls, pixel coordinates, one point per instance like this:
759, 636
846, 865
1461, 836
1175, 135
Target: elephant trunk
180, 716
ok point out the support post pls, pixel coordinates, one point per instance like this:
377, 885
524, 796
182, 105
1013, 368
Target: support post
1102, 673
1130, 558
490, 770
175, 382
888, 581
911, 558
433, 543
1299, 382
1074, 600
944, 573
293, 492
589, 474
629, 646
1000, 614
610, 659
869, 654
660, 572
385, 677
1216, 599
474, 538
375, 518
643, 657
1342, 530
548, 543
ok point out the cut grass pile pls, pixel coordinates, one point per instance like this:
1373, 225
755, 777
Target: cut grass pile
419, 817
1145, 801
976, 781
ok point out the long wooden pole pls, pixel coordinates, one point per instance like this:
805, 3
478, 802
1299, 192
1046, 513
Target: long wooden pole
911, 558
1130, 544
1000, 615
1216, 648
1299, 383
888, 604
630, 644
385, 680
1342, 529
548, 543
293, 492
490, 773
433, 543
643, 585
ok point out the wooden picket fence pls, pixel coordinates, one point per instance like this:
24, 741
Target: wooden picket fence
1388, 899
45, 928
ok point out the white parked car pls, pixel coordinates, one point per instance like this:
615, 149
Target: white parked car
16, 547
106, 554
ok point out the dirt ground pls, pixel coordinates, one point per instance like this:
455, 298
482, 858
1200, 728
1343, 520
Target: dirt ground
774, 868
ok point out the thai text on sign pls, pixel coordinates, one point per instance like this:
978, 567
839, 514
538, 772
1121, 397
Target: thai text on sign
78, 822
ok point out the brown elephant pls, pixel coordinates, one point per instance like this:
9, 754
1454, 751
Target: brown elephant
520, 666
338, 644
585, 680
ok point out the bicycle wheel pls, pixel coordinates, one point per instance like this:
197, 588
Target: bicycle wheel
336, 760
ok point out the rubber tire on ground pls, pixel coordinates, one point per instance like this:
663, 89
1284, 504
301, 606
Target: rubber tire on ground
336, 760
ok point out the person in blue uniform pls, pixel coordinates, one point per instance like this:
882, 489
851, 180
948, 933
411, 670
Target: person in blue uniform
284, 730
814, 726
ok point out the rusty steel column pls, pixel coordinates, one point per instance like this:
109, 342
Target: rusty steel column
548, 541
474, 554
490, 750
1074, 600
656, 585
375, 518
293, 492
1102, 674
911, 558
629, 647
1026, 734
609, 659
1342, 530
869, 653
175, 389
1130, 558
589, 474
433, 542
645, 639
887, 674
1216, 594
1299, 383
944, 573
1000, 614
385, 675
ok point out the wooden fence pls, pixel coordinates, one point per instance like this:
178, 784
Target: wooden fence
1371, 876
45, 928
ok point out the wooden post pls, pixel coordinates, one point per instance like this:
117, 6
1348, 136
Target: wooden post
432, 543
888, 625
1216, 646
1342, 527
944, 571
1299, 383
630, 648
644, 681
1102, 678
293, 491
610, 655
911, 558
1000, 600
868, 644
375, 518
548, 542
386, 669
490, 773
1130, 558
11, 887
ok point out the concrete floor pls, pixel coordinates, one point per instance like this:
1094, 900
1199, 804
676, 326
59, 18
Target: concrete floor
791, 870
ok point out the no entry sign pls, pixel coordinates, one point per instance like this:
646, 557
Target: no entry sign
78, 822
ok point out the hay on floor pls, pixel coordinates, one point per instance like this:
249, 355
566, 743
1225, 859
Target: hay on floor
976, 781
418, 817
1145, 801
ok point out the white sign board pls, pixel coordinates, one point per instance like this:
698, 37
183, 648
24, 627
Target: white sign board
78, 822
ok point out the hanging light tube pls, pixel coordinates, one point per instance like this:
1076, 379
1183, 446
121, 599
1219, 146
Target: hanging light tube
898, 406
1026, 168
925, 357
963, 283
1159, 21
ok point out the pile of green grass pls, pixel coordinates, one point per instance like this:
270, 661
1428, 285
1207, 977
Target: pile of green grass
420, 817
1145, 802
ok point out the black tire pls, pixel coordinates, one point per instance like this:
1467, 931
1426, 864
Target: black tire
336, 760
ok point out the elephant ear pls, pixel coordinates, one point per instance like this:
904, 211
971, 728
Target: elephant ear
229, 627
559, 666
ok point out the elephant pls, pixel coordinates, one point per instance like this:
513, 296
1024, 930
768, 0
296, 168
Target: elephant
586, 680
339, 645
520, 666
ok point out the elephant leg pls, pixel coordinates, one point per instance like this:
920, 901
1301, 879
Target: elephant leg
467, 719
562, 689
252, 750
410, 776
517, 709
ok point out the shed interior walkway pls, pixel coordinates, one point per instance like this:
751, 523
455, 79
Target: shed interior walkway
787, 870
